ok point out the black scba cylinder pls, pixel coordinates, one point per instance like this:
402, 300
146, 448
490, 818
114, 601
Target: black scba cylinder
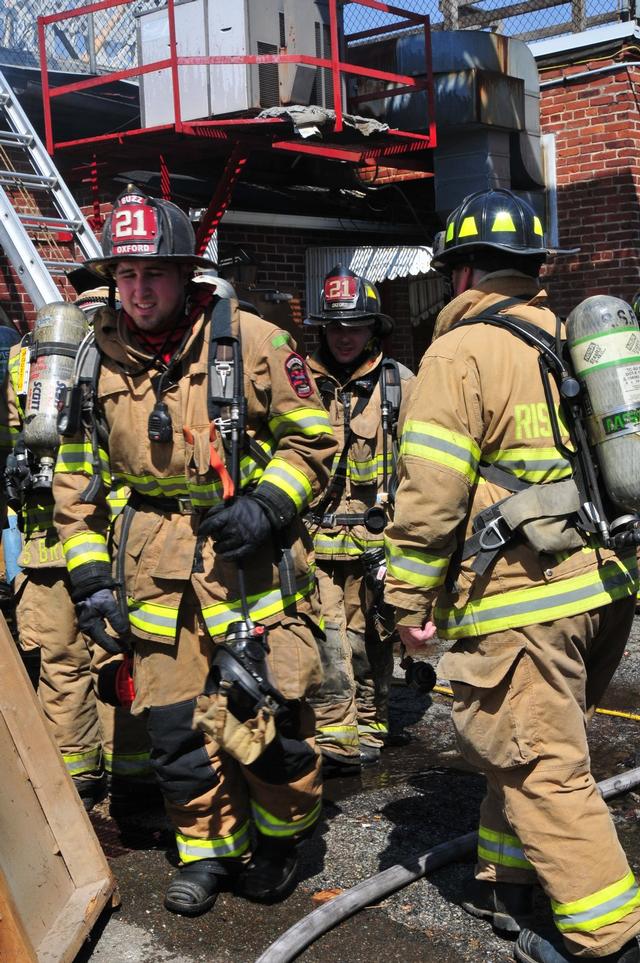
604, 341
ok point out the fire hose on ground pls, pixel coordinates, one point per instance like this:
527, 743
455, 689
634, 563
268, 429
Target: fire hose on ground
310, 928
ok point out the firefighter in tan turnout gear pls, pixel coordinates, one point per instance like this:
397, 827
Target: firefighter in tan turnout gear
362, 391
211, 418
103, 747
538, 631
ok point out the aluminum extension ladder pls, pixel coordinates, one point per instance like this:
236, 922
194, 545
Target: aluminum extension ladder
36, 207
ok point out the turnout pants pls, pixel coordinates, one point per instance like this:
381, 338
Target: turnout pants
522, 699
92, 737
351, 705
211, 799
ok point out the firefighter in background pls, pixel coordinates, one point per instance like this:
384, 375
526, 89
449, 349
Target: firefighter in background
361, 390
104, 748
537, 635
220, 466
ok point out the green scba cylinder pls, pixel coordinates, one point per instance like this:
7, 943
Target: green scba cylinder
57, 333
604, 342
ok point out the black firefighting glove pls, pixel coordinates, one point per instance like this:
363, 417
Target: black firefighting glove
92, 592
240, 528
92, 613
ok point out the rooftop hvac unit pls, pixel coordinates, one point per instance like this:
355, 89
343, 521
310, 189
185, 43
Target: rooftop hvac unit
224, 28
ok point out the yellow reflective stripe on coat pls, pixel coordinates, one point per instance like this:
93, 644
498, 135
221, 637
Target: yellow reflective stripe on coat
343, 543
85, 547
616, 579
530, 464
501, 849
600, 909
300, 421
369, 470
373, 728
290, 480
154, 618
270, 825
127, 764
219, 616
416, 567
191, 849
78, 457
343, 735
442, 446
79, 763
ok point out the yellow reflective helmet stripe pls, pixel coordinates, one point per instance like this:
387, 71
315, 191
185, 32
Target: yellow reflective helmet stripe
468, 228
503, 222
537, 226
449, 234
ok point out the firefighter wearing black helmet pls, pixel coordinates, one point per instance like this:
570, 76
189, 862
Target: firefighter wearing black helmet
361, 389
210, 416
537, 631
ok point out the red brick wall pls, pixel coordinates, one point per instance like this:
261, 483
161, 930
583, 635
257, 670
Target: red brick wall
280, 253
597, 126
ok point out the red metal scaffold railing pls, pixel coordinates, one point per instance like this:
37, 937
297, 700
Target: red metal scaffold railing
244, 134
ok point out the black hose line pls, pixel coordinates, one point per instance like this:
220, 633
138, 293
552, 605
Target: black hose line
310, 928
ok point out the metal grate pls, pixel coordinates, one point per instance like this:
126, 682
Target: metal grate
526, 19
268, 77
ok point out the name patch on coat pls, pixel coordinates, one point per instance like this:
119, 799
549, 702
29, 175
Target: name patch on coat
298, 376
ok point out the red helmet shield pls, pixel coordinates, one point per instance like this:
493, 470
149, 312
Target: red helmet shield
341, 291
134, 227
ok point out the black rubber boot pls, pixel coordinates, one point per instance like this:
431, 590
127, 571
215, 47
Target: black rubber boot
369, 755
129, 796
335, 766
533, 948
195, 887
91, 790
507, 906
272, 873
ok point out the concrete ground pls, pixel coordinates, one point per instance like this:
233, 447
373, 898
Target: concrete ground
420, 795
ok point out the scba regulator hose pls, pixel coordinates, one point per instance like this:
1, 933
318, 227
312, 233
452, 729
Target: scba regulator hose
310, 928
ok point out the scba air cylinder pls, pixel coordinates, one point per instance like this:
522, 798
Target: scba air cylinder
58, 331
604, 341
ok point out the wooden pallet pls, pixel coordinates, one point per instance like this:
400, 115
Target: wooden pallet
54, 878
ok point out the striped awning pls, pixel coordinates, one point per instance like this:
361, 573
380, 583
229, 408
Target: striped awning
375, 263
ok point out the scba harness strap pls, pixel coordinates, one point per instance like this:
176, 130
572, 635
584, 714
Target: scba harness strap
390, 384
551, 516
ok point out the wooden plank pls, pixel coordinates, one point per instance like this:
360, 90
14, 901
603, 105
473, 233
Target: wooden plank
45, 770
14, 940
54, 878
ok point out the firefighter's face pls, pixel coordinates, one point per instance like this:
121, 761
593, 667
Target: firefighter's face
151, 292
347, 344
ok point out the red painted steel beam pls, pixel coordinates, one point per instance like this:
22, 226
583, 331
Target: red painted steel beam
222, 197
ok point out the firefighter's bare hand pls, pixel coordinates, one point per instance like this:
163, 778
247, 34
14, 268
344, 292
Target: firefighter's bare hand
416, 639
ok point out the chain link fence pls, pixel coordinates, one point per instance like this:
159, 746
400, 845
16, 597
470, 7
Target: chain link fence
526, 19
105, 41
93, 43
